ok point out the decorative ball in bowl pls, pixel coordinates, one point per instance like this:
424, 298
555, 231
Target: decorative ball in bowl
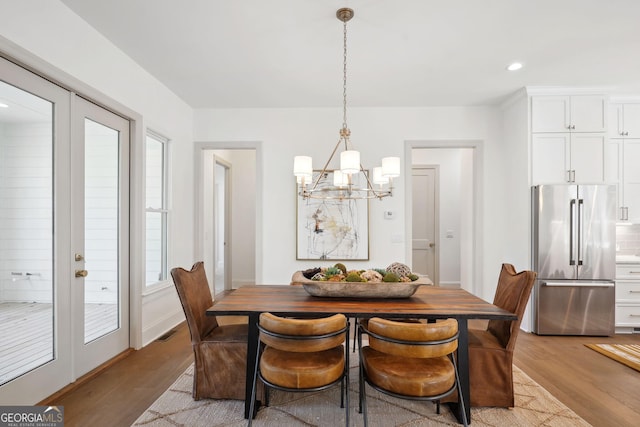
395, 281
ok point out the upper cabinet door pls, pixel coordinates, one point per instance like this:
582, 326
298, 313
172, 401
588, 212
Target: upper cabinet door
588, 113
616, 121
631, 120
550, 114
577, 113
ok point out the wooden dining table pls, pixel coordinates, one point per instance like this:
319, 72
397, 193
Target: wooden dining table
429, 302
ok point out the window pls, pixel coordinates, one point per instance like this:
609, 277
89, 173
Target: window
157, 213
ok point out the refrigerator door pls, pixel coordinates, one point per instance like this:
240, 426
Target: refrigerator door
596, 243
574, 308
555, 229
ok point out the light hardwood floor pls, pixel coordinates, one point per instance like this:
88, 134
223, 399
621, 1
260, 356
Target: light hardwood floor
602, 391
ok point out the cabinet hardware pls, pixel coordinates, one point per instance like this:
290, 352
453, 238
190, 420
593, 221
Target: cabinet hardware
634, 292
81, 273
624, 213
634, 315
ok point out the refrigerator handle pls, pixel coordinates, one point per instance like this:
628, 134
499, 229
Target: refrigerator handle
580, 230
572, 207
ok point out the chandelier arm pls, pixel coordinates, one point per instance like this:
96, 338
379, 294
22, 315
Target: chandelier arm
326, 165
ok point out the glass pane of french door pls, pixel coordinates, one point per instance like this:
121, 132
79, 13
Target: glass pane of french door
101, 287
26, 232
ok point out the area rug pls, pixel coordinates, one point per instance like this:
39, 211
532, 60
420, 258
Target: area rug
534, 407
628, 354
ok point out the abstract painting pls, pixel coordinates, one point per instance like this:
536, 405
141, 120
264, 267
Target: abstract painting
332, 229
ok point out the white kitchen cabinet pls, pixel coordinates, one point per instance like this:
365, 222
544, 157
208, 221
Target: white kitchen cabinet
627, 298
624, 120
563, 113
621, 168
568, 157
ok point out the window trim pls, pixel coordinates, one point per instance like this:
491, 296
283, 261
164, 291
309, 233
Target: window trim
152, 286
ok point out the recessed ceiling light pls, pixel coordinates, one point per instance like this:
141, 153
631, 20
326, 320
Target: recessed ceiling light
3, 105
515, 66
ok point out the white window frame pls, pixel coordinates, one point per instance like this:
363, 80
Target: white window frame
163, 209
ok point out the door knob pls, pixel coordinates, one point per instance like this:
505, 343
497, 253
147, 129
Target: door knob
81, 273
432, 245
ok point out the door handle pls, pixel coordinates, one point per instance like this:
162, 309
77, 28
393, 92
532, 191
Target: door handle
81, 273
572, 225
580, 230
432, 245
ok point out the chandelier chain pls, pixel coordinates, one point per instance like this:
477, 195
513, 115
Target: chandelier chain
344, 79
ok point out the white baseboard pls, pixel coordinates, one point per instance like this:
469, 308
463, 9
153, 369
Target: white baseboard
161, 326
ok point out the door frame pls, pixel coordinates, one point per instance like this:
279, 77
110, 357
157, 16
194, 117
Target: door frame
200, 147
470, 275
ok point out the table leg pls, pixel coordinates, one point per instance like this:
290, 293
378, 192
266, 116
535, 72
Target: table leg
252, 352
463, 370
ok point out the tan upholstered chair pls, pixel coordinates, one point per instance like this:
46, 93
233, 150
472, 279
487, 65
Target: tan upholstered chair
409, 360
302, 355
491, 349
220, 352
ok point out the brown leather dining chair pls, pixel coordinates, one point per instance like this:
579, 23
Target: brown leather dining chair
220, 351
302, 355
409, 360
491, 349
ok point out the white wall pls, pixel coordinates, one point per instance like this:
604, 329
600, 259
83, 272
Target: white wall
49, 37
376, 132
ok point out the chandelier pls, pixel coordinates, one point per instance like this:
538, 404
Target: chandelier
351, 181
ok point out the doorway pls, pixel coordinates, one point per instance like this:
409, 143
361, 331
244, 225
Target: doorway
457, 180
227, 201
64, 191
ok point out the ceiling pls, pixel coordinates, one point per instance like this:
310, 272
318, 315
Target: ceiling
288, 53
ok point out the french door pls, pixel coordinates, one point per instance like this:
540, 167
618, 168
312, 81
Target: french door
64, 290
99, 230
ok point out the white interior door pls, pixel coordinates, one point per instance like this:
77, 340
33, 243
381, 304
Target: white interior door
99, 235
424, 239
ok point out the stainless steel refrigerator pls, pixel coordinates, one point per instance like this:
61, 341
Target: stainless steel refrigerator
574, 255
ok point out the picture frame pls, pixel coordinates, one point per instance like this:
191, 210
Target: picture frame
331, 229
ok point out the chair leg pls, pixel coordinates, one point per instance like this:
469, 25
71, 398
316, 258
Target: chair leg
254, 385
355, 331
460, 398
